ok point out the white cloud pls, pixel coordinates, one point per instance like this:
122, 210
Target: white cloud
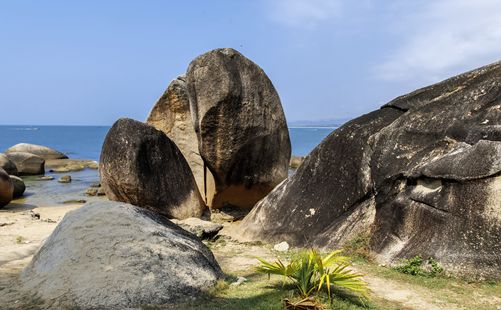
444, 38
303, 13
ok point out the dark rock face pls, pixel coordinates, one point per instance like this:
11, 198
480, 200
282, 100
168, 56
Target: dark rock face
7, 165
171, 114
6, 188
422, 174
19, 186
27, 163
111, 255
241, 128
38, 150
142, 166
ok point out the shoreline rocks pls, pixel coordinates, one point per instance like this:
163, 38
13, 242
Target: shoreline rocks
8, 165
6, 188
38, 150
19, 186
27, 163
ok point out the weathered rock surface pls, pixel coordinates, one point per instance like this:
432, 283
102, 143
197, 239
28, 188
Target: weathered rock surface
6, 188
241, 128
200, 228
65, 179
111, 255
422, 174
39, 150
27, 163
19, 186
171, 114
296, 161
68, 165
7, 165
142, 166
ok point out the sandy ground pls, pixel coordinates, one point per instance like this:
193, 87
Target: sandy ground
23, 228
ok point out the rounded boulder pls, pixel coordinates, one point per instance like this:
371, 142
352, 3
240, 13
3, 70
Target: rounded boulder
142, 166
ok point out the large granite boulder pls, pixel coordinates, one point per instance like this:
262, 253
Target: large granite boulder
39, 150
27, 163
6, 188
7, 165
171, 114
19, 186
142, 166
241, 128
422, 174
111, 255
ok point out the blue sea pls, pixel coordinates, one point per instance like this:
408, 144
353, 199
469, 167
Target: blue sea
84, 142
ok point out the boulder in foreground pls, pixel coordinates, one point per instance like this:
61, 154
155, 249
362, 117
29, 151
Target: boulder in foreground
39, 150
422, 175
113, 255
142, 166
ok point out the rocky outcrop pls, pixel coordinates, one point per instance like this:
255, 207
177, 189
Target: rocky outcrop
171, 114
111, 255
241, 128
7, 165
19, 186
27, 163
38, 150
68, 165
142, 166
422, 174
6, 188
200, 228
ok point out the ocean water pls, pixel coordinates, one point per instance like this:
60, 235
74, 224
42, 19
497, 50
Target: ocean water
84, 142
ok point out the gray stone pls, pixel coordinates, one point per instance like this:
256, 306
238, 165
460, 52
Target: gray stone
68, 165
422, 174
113, 255
241, 128
46, 178
65, 179
281, 247
38, 150
200, 228
142, 166
6, 188
19, 186
27, 163
7, 165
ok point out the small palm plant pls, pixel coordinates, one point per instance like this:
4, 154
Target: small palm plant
310, 273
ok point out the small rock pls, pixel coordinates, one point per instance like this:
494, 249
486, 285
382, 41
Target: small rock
100, 192
74, 201
91, 191
239, 281
35, 215
281, 247
46, 178
96, 185
200, 228
65, 179
221, 217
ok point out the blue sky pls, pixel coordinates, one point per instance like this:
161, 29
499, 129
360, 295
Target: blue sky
91, 62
